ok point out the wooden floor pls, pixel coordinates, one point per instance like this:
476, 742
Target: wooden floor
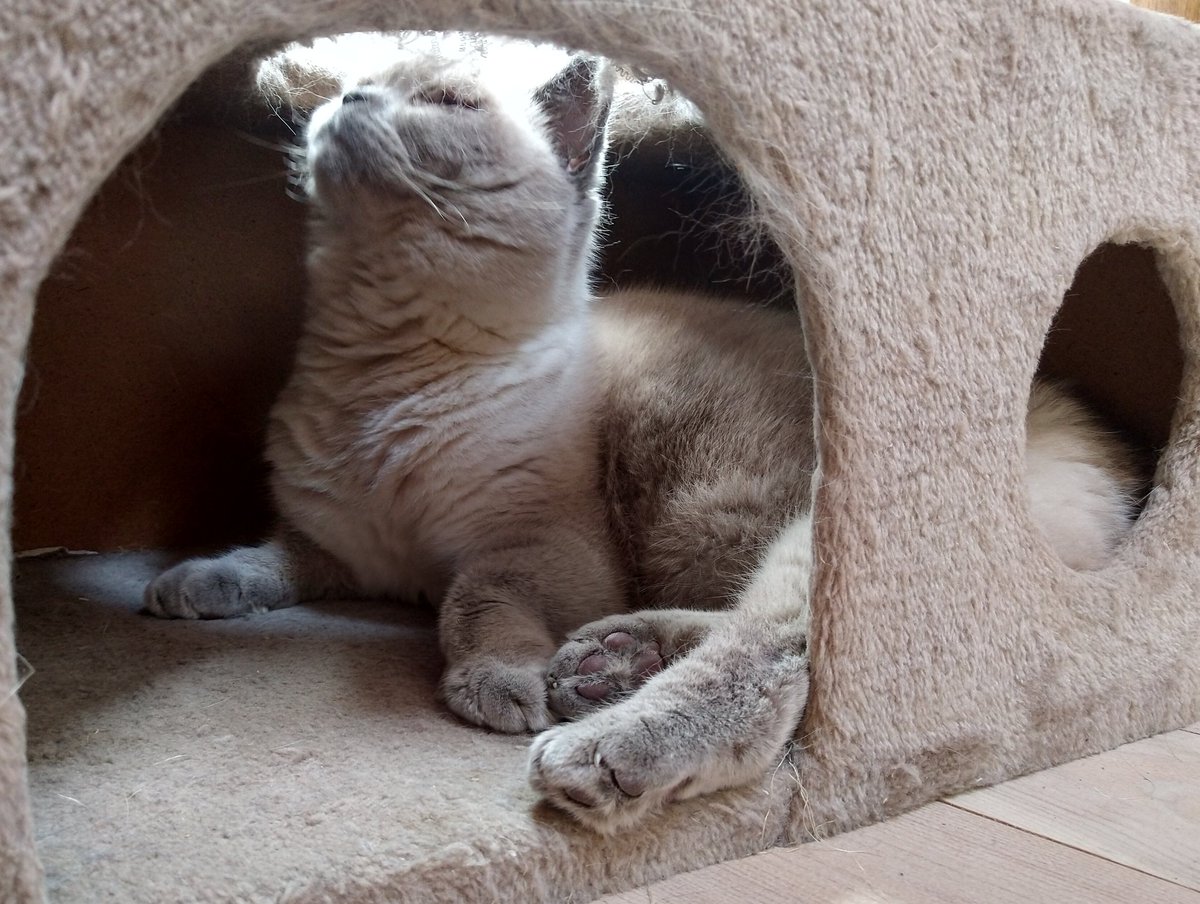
1123, 826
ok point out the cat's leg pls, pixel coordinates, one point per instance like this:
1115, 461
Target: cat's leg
606, 660
499, 622
283, 571
709, 536
719, 718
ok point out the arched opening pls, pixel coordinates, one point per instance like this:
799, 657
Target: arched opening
1114, 346
1116, 341
166, 328
160, 341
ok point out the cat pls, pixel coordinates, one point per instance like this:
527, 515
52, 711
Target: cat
466, 423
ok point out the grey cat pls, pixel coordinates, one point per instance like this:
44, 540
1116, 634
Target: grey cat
465, 422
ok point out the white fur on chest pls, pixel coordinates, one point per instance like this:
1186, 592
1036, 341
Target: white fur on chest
402, 484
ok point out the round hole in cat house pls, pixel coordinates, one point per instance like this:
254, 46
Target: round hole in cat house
1113, 346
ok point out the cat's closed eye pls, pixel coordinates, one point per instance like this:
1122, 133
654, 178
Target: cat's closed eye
447, 96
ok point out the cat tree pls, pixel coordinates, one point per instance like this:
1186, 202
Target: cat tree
936, 170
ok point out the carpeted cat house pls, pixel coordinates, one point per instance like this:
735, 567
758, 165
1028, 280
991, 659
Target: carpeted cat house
934, 171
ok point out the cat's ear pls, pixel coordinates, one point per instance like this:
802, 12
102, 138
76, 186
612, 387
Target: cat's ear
576, 103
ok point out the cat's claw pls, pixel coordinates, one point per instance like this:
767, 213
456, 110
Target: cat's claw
498, 695
602, 662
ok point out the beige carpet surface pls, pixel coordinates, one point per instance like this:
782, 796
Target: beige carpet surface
297, 756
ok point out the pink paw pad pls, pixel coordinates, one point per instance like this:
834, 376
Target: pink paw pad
597, 662
638, 665
648, 662
619, 640
602, 665
596, 691
643, 665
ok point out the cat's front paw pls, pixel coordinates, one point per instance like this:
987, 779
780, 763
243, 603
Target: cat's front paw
213, 588
609, 773
602, 662
718, 718
498, 695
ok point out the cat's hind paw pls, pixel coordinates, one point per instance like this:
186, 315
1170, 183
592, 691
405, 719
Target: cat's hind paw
498, 695
603, 662
216, 588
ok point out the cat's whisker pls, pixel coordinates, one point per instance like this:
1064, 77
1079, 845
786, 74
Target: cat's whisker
256, 180
442, 182
447, 204
282, 147
422, 194
406, 172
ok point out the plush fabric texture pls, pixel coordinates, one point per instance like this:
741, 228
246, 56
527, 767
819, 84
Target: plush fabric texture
300, 756
936, 169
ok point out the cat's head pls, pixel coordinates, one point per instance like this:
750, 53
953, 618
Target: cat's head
438, 133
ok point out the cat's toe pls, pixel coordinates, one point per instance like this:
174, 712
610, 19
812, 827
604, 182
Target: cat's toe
498, 695
606, 777
162, 597
602, 663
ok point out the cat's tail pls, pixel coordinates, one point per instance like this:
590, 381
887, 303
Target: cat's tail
1081, 477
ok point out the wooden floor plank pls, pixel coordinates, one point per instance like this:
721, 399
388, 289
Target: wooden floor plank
936, 855
1138, 805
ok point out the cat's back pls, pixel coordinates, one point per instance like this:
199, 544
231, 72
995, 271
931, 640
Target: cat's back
706, 436
654, 326
714, 368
